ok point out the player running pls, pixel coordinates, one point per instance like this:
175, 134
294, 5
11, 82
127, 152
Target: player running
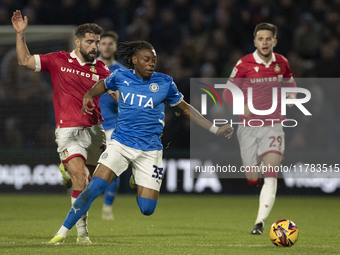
109, 110
80, 138
136, 139
262, 71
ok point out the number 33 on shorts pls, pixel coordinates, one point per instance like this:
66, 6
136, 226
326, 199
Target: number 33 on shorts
157, 172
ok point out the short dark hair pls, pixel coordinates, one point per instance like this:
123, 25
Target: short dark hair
126, 50
93, 28
266, 26
111, 34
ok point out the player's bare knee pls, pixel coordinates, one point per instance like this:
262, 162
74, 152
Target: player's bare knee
79, 180
272, 159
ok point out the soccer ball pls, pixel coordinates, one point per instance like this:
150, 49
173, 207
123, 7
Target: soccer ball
283, 233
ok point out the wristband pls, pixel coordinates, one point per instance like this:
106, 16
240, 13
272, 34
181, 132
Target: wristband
213, 129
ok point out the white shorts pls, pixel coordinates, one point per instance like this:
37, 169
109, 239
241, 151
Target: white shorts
87, 143
255, 142
108, 134
147, 166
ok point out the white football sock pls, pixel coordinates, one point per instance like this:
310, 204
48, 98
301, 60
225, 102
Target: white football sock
107, 208
82, 222
62, 231
267, 198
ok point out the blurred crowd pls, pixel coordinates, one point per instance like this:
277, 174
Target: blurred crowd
193, 38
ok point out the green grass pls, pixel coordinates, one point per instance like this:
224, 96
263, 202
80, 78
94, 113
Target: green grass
197, 224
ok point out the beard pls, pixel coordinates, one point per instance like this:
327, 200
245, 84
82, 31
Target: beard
86, 55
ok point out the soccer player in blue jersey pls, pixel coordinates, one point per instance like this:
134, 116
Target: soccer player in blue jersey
136, 139
109, 110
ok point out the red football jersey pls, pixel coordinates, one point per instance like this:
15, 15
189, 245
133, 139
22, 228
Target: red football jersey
71, 79
252, 71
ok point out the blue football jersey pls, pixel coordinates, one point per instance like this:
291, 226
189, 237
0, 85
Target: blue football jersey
108, 106
141, 107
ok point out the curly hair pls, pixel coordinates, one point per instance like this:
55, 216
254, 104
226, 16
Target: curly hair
126, 50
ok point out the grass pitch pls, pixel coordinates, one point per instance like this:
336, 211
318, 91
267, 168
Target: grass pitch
182, 224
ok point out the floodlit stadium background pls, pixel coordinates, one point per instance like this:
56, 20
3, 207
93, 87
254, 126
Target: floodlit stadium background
199, 39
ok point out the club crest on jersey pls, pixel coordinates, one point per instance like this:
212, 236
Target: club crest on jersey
66, 154
93, 69
277, 68
154, 87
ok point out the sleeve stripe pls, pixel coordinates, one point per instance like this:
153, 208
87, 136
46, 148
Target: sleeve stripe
37, 63
180, 100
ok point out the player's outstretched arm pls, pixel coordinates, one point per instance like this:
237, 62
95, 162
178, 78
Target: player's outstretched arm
190, 112
24, 57
97, 90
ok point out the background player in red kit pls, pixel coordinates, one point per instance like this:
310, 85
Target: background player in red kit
262, 70
80, 138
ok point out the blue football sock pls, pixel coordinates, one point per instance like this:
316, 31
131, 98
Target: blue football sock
147, 206
84, 201
111, 191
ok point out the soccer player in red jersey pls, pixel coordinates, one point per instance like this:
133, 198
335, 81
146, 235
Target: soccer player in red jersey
80, 138
261, 137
